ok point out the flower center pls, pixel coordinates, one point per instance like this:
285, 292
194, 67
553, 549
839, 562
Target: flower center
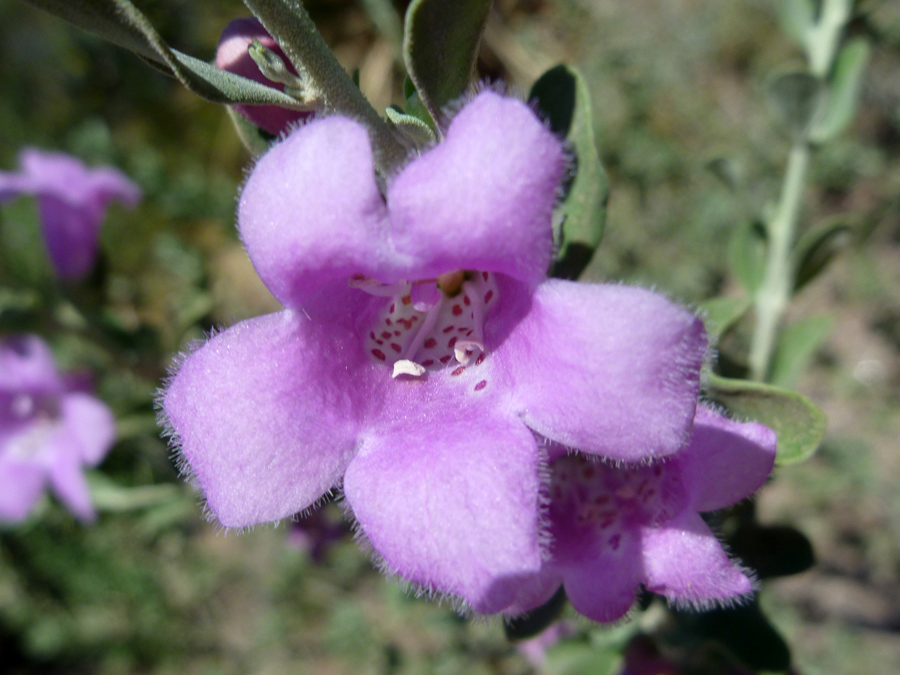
610, 500
31, 421
430, 324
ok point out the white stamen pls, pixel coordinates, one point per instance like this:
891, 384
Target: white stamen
407, 367
465, 350
424, 331
375, 287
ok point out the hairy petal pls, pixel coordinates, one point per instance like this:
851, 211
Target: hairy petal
725, 461
684, 561
601, 583
483, 198
610, 370
267, 414
311, 217
449, 499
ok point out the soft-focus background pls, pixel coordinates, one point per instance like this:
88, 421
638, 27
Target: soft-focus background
678, 89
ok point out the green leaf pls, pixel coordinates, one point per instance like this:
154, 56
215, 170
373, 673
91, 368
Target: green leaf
106, 495
440, 47
123, 24
720, 314
256, 140
799, 424
412, 128
844, 89
22, 249
772, 551
744, 630
797, 99
564, 100
816, 249
747, 252
290, 25
796, 347
537, 620
796, 17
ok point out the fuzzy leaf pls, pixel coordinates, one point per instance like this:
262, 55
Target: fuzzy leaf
256, 140
796, 98
747, 254
816, 249
412, 128
440, 47
123, 24
843, 90
720, 314
796, 18
564, 100
799, 424
796, 347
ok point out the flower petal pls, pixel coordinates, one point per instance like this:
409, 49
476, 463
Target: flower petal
611, 370
483, 198
91, 425
725, 461
685, 562
72, 235
448, 497
232, 55
27, 367
311, 217
21, 485
66, 474
601, 583
267, 415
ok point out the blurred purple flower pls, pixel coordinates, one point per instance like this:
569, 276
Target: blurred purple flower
617, 527
421, 350
48, 432
72, 201
535, 649
232, 55
315, 532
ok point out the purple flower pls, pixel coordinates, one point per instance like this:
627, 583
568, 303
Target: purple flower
617, 527
232, 55
72, 201
421, 350
315, 533
48, 431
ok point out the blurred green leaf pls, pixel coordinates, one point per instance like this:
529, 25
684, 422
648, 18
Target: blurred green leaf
720, 314
816, 249
564, 100
107, 495
747, 251
18, 300
744, 630
799, 424
796, 98
772, 551
440, 46
796, 18
843, 91
123, 24
537, 620
22, 250
797, 345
